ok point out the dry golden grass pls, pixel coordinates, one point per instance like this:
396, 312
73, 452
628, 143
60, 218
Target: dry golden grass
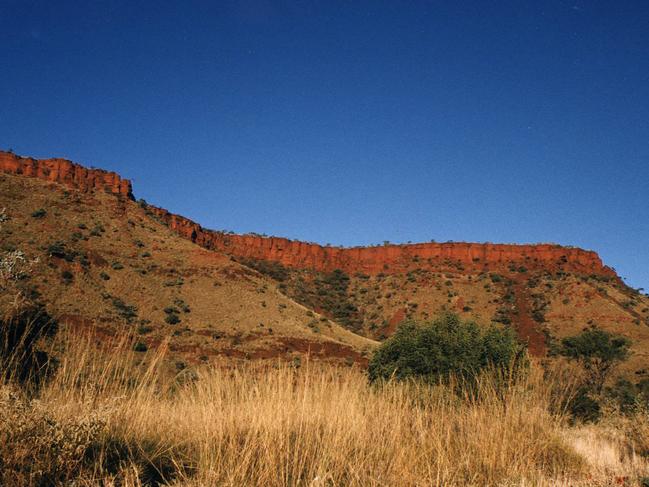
104, 421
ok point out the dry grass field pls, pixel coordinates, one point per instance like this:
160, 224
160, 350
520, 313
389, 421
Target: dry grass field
111, 418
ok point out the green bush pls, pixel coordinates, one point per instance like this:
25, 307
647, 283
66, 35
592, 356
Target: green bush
67, 277
598, 351
57, 249
126, 311
584, 407
172, 319
625, 395
40, 213
444, 347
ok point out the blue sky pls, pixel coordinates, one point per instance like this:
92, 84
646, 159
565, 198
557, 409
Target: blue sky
351, 123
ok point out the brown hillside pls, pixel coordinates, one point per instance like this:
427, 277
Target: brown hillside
545, 291
106, 264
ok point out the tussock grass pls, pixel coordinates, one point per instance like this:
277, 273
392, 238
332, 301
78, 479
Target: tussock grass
101, 420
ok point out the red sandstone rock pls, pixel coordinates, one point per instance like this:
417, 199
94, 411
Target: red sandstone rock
65, 172
389, 259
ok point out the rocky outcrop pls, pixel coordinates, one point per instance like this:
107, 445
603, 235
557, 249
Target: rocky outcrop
65, 172
389, 259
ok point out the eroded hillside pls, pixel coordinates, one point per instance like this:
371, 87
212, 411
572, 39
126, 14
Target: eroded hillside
106, 264
245, 287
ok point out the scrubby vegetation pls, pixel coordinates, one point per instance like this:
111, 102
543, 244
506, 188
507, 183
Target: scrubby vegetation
324, 291
115, 417
445, 347
598, 353
102, 419
78, 410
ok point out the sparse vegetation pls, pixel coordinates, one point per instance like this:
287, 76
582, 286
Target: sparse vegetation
40, 213
598, 351
67, 277
172, 319
291, 425
126, 311
273, 269
132, 417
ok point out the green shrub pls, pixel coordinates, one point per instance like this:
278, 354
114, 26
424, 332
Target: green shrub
144, 329
184, 307
598, 352
126, 311
270, 268
140, 347
446, 346
67, 277
57, 249
117, 266
40, 213
172, 319
583, 407
625, 395
496, 277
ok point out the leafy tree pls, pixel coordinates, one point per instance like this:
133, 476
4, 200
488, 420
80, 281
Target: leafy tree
598, 351
446, 346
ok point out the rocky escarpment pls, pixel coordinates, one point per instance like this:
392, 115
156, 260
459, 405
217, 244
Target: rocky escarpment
390, 259
65, 172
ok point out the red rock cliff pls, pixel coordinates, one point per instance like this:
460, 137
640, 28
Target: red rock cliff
390, 258
387, 259
65, 172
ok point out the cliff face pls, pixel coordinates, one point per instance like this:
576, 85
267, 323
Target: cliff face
390, 259
65, 172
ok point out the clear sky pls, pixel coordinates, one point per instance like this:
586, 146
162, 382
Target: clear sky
351, 122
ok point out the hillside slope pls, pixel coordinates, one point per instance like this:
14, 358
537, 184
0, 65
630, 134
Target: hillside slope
105, 263
544, 291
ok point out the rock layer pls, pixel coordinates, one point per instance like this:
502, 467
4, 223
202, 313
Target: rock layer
388, 259
65, 172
